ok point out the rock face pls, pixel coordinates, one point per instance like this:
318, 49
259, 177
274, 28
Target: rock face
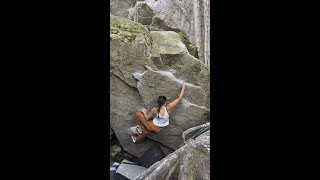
174, 57
159, 15
119, 7
191, 18
191, 161
111, 134
174, 14
145, 65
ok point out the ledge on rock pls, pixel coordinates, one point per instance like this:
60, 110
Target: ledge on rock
167, 42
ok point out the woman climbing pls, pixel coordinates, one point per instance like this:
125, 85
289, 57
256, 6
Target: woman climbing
159, 116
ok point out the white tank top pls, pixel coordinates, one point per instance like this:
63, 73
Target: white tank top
162, 121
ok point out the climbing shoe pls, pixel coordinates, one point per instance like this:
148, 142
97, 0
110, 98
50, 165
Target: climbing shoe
133, 139
139, 130
135, 130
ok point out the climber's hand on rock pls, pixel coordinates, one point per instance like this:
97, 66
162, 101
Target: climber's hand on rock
143, 110
183, 85
182, 90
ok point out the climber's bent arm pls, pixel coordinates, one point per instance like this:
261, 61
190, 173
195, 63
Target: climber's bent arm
171, 105
151, 114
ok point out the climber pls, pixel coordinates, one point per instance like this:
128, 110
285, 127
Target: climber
159, 116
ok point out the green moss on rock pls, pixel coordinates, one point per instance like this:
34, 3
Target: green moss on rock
192, 49
127, 30
205, 155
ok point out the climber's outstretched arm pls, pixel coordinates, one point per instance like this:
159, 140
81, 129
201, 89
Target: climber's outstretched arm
171, 105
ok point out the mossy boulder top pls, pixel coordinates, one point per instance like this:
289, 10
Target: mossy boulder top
128, 31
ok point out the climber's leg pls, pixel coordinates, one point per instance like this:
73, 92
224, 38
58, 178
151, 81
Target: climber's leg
140, 119
144, 134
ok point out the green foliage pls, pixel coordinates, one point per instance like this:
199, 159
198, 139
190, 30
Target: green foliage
191, 47
192, 50
181, 35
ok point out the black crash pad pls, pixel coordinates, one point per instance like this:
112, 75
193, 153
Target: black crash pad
151, 156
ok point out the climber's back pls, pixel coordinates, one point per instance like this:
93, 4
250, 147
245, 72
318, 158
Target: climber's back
162, 120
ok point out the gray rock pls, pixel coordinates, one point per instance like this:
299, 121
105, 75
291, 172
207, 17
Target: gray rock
162, 15
120, 7
111, 134
114, 149
124, 102
191, 161
141, 13
191, 111
174, 15
194, 105
136, 81
170, 54
130, 45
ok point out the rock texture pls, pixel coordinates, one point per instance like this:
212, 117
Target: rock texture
111, 134
145, 65
191, 18
170, 54
174, 14
120, 7
191, 161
